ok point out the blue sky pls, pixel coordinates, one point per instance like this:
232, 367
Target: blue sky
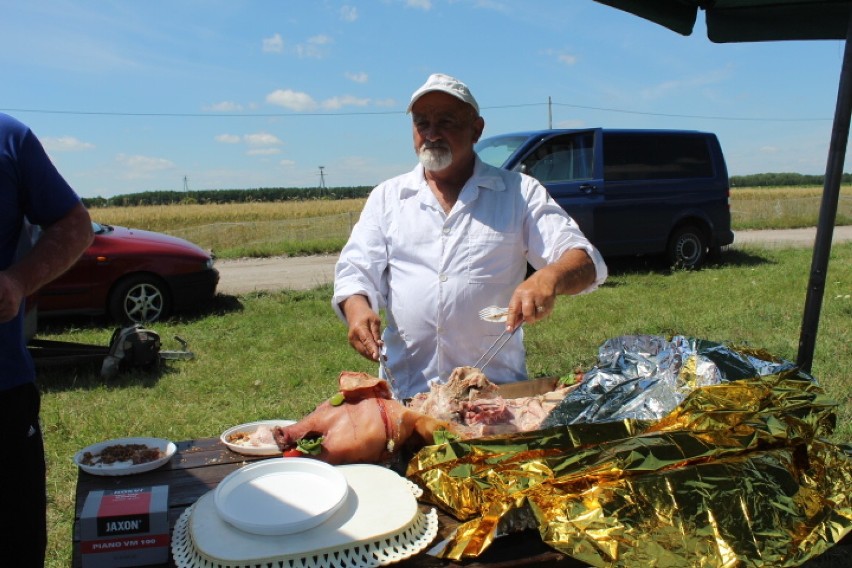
132, 96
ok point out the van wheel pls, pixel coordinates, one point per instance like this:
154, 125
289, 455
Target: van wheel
139, 299
687, 248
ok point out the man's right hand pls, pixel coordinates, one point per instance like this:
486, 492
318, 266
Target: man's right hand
365, 326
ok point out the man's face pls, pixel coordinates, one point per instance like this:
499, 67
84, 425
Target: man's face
445, 130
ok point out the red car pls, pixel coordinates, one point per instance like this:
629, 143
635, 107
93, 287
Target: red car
132, 276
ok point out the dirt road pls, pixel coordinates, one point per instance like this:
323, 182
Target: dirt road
304, 272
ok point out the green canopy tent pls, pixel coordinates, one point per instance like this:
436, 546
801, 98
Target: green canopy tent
776, 20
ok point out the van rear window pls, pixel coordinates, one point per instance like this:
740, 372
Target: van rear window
647, 156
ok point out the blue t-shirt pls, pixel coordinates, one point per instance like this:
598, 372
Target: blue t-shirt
31, 187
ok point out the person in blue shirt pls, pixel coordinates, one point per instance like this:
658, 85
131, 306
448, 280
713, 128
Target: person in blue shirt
32, 193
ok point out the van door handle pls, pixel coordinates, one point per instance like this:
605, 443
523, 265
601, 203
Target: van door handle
588, 188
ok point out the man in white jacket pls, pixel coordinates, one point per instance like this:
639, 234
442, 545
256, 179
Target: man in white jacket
434, 246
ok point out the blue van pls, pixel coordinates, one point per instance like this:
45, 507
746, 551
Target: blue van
633, 192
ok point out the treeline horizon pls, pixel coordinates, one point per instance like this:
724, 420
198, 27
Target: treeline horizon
272, 194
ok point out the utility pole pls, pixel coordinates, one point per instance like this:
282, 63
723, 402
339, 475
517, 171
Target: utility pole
185, 184
549, 113
322, 180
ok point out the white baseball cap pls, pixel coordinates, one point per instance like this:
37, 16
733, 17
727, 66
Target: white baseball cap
446, 84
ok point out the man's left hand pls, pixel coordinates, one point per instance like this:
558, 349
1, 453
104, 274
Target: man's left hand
11, 296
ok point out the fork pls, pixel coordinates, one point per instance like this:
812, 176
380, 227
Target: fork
489, 354
494, 313
386, 372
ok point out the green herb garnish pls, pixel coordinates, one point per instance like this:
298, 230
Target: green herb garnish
310, 446
442, 436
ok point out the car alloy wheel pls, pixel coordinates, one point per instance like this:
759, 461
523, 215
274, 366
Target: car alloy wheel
139, 299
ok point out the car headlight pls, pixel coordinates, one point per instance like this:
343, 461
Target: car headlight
208, 264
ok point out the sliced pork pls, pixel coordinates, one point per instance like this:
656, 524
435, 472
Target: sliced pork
472, 402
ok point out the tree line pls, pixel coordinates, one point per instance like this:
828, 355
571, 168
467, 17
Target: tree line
272, 194
257, 195
782, 179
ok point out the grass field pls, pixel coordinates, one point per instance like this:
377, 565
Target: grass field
320, 227
276, 355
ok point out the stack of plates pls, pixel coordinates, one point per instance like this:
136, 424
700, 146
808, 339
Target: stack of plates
299, 511
281, 496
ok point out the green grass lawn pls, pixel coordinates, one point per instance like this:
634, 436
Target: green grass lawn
277, 355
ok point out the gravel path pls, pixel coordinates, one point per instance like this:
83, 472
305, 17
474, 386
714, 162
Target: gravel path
303, 272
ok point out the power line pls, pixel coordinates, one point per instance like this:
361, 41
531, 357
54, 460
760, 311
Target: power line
549, 103
707, 117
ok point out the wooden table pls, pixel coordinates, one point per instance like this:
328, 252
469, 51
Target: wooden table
199, 465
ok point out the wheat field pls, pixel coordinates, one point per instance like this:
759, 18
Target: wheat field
322, 226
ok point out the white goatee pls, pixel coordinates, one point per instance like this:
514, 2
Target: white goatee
435, 158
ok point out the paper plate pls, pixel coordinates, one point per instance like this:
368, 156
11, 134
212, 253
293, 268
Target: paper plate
380, 523
250, 428
280, 496
167, 450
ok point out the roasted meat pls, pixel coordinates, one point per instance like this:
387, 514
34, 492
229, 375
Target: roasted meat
368, 426
474, 404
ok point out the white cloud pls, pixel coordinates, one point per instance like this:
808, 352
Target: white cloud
422, 4
349, 13
345, 100
141, 167
768, 149
274, 44
303, 102
65, 144
261, 139
263, 152
566, 58
287, 163
561, 56
314, 46
683, 84
293, 100
256, 139
224, 106
356, 77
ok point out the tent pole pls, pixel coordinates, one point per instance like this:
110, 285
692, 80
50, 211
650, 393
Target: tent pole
827, 210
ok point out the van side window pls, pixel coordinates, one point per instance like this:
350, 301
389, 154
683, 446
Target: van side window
563, 158
655, 156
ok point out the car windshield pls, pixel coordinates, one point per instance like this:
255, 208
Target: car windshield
497, 150
99, 229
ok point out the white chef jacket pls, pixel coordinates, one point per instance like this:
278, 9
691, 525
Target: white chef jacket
432, 272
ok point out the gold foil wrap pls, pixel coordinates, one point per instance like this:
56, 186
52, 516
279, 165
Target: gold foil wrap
736, 475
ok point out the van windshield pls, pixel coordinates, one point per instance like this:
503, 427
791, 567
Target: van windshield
497, 150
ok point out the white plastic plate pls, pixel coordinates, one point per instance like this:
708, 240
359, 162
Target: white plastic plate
250, 428
167, 450
280, 496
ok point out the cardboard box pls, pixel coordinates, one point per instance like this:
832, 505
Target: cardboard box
125, 527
